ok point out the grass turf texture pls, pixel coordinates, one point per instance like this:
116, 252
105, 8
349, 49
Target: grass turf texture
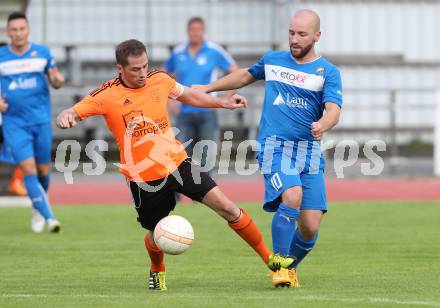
368, 254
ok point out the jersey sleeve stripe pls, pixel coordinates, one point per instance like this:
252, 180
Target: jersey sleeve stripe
177, 91
105, 86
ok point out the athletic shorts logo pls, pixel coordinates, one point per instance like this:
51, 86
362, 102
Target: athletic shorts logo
276, 182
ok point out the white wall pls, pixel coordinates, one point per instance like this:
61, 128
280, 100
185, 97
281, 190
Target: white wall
407, 28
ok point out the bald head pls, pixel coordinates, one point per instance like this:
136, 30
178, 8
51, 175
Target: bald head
304, 32
307, 18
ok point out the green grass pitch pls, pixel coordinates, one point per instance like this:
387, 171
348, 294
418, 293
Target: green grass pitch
368, 254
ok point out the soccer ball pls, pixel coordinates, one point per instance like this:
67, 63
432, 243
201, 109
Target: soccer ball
173, 234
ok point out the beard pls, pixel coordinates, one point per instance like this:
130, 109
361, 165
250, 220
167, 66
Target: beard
303, 51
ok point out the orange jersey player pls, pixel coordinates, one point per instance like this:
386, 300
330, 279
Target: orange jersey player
145, 108
155, 164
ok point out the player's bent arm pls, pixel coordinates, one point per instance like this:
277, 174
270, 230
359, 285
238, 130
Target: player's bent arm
331, 116
198, 98
235, 80
327, 122
67, 118
56, 80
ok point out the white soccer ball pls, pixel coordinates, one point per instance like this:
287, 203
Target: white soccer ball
173, 234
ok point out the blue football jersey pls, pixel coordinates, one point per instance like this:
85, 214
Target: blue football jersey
203, 68
295, 96
24, 85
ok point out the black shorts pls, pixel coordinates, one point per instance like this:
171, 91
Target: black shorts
154, 204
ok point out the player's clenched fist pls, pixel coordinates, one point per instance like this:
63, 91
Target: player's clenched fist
67, 119
234, 102
317, 131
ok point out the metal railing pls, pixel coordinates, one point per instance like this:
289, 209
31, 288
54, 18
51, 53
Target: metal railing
397, 117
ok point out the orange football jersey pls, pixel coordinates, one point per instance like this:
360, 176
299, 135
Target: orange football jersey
138, 119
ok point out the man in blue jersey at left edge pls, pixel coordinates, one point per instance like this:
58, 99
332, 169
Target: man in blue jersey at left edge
26, 110
16, 185
302, 102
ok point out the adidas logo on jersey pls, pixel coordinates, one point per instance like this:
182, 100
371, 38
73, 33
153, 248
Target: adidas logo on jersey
127, 102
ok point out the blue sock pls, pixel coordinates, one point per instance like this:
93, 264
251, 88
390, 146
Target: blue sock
300, 247
44, 181
283, 228
38, 196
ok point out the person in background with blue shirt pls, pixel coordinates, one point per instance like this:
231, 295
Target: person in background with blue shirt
25, 104
300, 86
197, 61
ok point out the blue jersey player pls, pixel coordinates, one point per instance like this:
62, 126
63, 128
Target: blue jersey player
197, 61
25, 69
16, 185
302, 101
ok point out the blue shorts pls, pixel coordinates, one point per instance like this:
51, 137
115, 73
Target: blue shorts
6, 155
23, 142
312, 183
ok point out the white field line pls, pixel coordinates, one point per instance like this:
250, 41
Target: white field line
370, 300
15, 202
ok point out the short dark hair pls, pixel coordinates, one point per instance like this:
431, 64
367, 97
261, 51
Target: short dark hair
195, 19
129, 48
16, 15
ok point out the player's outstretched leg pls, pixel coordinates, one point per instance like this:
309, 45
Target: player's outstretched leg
240, 221
157, 267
